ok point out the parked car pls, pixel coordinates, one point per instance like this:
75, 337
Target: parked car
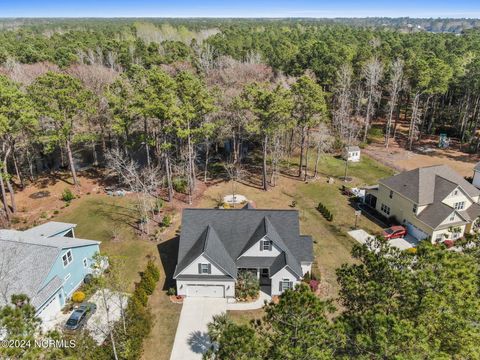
80, 316
394, 232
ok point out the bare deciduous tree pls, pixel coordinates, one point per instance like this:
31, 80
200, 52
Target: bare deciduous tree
394, 88
372, 73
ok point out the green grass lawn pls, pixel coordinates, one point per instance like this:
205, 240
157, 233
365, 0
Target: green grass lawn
366, 172
99, 217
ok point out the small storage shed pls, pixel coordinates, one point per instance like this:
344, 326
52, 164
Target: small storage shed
352, 153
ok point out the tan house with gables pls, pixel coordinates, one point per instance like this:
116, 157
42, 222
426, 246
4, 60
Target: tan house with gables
432, 202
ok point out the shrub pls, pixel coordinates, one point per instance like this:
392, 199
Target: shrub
172, 291
180, 185
148, 283
158, 205
166, 221
56, 212
140, 295
78, 296
314, 285
67, 195
411, 250
449, 243
325, 212
44, 215
153, 270
306, 277
247, 285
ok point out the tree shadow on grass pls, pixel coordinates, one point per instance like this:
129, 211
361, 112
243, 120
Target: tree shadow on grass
117, 214
168, 251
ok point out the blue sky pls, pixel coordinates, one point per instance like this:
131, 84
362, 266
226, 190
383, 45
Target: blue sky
239, 8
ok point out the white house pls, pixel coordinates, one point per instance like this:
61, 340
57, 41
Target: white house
352, 153
215, 244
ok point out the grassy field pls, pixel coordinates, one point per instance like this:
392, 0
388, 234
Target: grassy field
99, 217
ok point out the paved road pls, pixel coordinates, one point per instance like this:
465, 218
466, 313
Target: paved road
191, 339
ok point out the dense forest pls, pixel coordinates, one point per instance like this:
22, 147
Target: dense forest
174, 96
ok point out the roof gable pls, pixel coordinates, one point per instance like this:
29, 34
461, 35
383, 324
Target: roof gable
428, 184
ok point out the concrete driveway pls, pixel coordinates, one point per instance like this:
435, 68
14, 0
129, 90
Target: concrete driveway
191, 339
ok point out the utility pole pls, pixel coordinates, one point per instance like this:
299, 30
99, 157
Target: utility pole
346, 169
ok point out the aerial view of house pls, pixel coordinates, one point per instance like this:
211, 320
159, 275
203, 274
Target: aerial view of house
220, 180
46, 263
432, 202
215, 244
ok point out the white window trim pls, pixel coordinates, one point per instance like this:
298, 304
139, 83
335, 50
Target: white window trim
289, 286
85, 262
204, 266
68, 261
269, 245
459, 205
68, 276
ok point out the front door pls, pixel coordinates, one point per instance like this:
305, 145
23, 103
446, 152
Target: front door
264, 277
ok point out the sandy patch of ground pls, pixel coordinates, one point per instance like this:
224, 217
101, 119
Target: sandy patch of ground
424, 153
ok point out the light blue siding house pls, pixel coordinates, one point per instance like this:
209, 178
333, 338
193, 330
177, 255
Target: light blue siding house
47, 263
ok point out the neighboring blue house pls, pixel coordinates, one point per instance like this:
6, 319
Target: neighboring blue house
47, 263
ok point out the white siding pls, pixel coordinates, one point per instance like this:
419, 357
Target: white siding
476, 179
192, 269
306, 267
285, 273
182, 286
456, 218
255, 251
451, 199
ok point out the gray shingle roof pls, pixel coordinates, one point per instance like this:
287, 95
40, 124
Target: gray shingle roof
27, 267
238, 229
50, 228
471, 213
434, 214
352, 148
477, 167
255, 261
46, 292
420, 185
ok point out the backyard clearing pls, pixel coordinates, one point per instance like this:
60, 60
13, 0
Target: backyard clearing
424, 153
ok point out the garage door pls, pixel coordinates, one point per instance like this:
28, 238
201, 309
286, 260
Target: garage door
217, 291
50, 309
416, 232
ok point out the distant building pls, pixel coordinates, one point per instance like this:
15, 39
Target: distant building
352, 153
46, 263
476, 176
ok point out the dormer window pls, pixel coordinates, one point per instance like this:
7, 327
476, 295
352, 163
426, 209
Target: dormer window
452, 217
455, 193
391, 194
204, 268
265, 245
459, 205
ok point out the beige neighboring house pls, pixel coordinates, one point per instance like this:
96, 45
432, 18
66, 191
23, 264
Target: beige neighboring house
432, 202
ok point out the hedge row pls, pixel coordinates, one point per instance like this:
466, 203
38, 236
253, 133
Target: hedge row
325, 212
138, 314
